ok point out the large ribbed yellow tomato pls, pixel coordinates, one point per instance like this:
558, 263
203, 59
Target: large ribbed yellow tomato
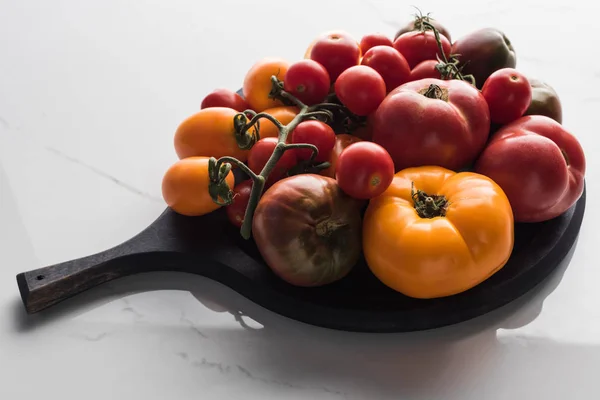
435, 233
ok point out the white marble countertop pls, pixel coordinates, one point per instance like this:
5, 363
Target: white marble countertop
90, 95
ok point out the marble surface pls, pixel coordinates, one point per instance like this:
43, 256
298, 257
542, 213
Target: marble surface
90, 95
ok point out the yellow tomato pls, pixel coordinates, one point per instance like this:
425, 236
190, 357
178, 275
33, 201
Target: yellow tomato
285, 115
257, 83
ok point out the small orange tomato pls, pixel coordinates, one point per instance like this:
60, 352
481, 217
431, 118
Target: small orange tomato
285, 115
257, 83
450, 233
342, 141
209, 133
185, 187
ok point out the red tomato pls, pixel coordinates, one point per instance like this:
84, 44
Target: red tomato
224, 98
342, 141
314, 132
260, 154
417, 24
336, 51
389, 63
374, 39
241, 195
539, 165
425, 69
308, 81
433, 122
364, 170
508, 94
417, 46
361, 89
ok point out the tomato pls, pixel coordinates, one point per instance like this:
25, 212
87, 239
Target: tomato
417, 46
342, 141
224, 98
209, 133
361, 89
308, 81
417, 25
284, 114
539, 164
372, 40
336, 51
484, 51
185, 187
257, 83
544, 100
236, 211
433, 122
260, 154
425, 69
365, 131
389, 63
452, 233
314, 132
307, 230
508, 94
364, 170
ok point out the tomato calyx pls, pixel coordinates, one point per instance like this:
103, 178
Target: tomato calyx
428, 206
435, 92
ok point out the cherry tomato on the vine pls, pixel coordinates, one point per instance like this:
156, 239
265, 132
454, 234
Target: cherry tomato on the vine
336, 51
224, 98
241, 196
284, 114
260, 154
425, 69
508, 94
389, 63
361, 89
308, 81
316, 133
342, 141
372, 40
257, 83
417, 46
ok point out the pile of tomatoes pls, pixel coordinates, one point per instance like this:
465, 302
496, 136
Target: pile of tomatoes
419, 153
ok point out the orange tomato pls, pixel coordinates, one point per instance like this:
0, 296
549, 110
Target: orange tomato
257, 83
285, 115
428, 253
342, 141
185, 187
209, 133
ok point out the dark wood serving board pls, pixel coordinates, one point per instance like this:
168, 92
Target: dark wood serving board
211, 247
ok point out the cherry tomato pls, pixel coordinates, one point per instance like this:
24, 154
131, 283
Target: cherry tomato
342, 141
389, 63
308, 81
417, 24
241, 196
417, 46
425, 69
372, 40
361, 89
364, 170
185, 187
508, 94
285, 115
260, 154
257, 83
317, 133
336, 51
224, 98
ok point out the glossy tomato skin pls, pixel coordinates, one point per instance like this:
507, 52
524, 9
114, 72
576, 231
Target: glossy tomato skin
508, 94
444, 255
224, 98
284, 114
417, 46
257, 82
374, 39
185, 187
416, 25
425, 69
336, 51
342, 141
361, 89
307, 230
364, 170
260, 154
236, 211
209, 133
484, 51
417, 130
544, 100
308, 81
317, 133
389, 63
526, 159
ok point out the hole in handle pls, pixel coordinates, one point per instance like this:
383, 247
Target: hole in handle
40, 277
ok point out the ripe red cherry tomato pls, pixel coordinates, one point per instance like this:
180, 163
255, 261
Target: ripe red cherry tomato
336, 51
425, 69
259, 156
372, 40
417, 46
508, 94
224, 98
308, 81
361, 89
364, 170
389, 63
317, 133
237, 210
